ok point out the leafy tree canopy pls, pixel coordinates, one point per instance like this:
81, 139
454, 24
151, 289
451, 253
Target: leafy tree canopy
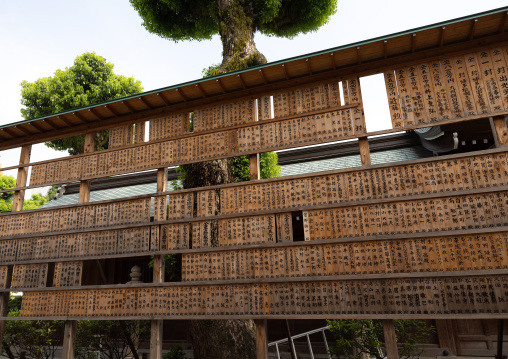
34, 202
89, 80
200, 19
235, 21
7, 182
32, 339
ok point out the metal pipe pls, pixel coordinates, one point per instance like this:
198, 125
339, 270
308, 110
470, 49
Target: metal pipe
310, 347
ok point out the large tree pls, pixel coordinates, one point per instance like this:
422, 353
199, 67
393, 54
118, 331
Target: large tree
89, 80
235, 21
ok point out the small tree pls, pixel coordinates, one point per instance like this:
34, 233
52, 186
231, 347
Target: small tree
355, 338
31, 339
89, 80
108, 338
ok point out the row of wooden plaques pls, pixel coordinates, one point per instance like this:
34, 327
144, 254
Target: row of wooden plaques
81, 245
65, 274
454, 87
437, 176
432, 254
317, 97
71, 218
435, 296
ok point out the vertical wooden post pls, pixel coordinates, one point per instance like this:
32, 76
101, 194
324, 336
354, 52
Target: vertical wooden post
69, 339
4, 301
255, 172
445, 336
261, 342
19, 196
17, 205
158, 277
499, 130
500, 328
84, 197
390, 340
364, 151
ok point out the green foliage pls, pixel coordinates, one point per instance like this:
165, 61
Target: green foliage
52, 191
211, 70
6, 198
355, 338
200, 19
36, 339
268, 163
412, 332
108, 338
88, 81
172, 267
14, 303
34, 202
174, 353
7, 182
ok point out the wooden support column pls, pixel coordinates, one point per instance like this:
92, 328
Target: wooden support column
4, 301
84, 197
390, 340
158, 275
499, 130
500, 328
261, 342
17, 205
363, 142
69, 339
445, 336
19, 196
255, 172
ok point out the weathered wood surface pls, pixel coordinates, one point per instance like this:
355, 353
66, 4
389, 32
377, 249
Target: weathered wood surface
401, 297
449, 88
426, 238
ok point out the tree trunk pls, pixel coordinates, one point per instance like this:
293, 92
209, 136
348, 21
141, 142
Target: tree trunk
218, 339
237, 35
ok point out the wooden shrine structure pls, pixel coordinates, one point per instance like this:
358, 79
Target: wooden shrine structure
417, 239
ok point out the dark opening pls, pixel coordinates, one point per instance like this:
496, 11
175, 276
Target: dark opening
297, 222
51, 274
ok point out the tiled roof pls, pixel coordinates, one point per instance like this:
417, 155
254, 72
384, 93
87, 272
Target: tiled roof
379, 157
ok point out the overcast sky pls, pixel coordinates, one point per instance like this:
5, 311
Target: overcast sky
38, 37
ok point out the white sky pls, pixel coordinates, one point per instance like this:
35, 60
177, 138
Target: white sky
38, 37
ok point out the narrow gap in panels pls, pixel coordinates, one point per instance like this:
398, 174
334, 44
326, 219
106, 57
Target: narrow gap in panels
375, 103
